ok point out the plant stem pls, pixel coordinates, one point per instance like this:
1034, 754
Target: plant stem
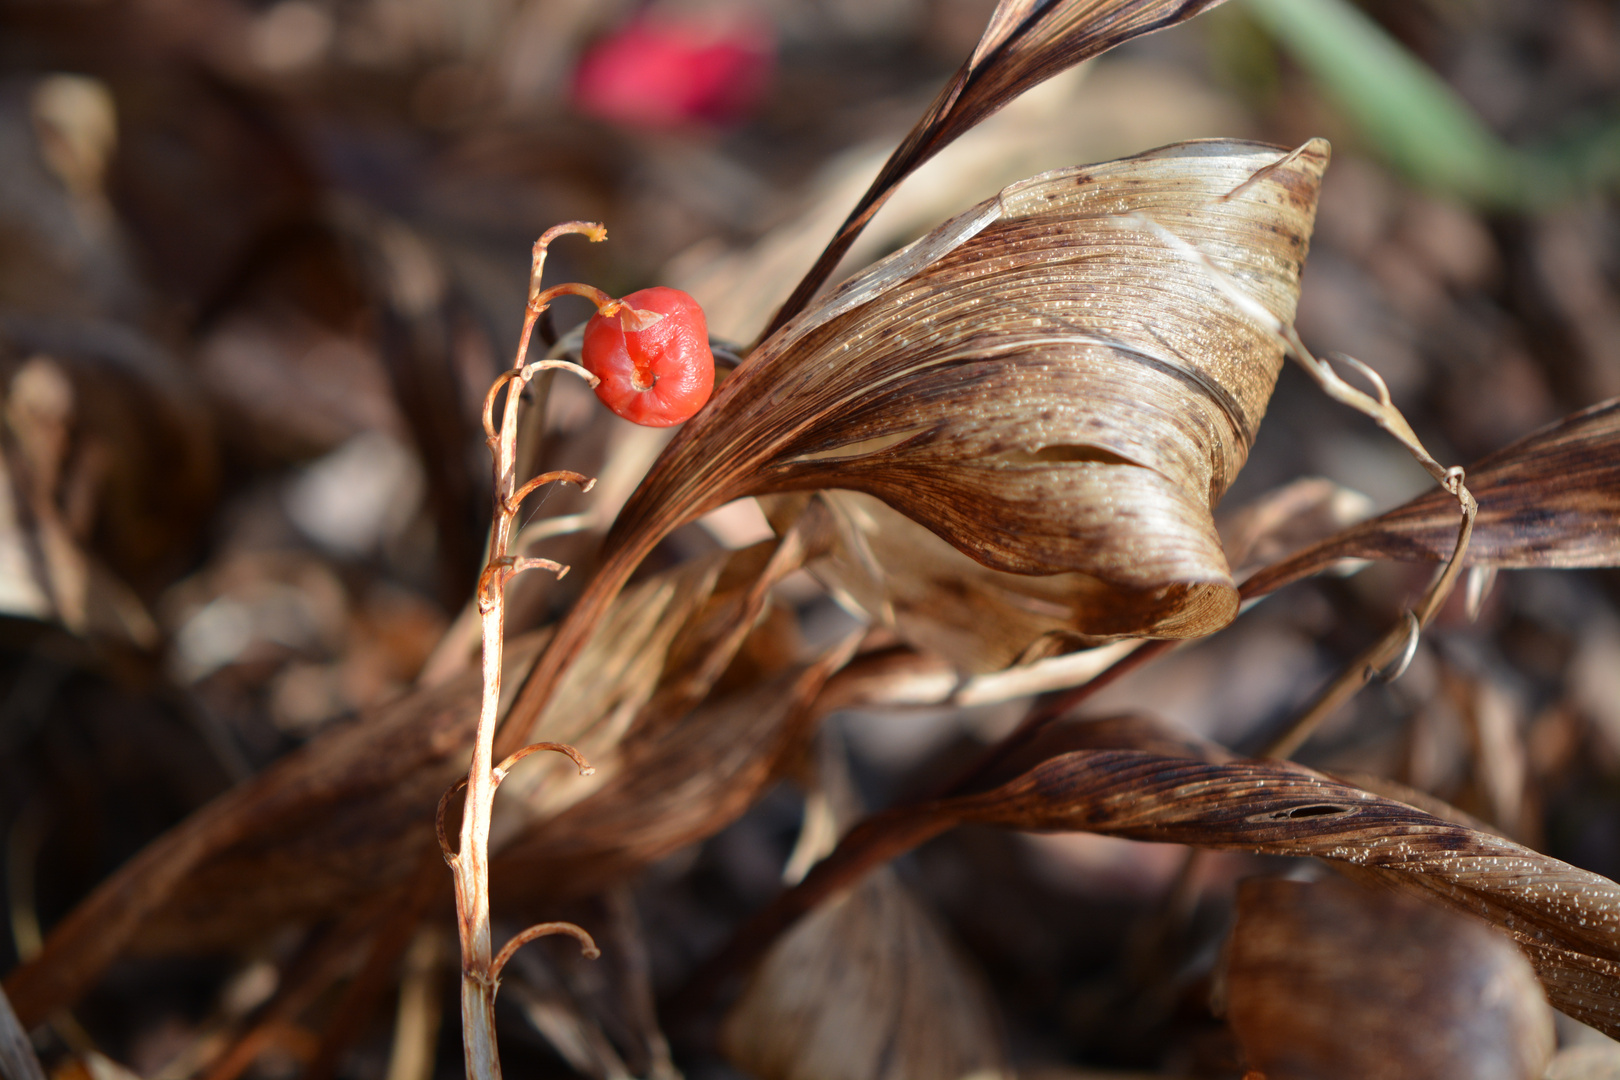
470, 861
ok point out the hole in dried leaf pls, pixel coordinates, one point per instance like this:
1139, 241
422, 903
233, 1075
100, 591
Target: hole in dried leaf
1321, 810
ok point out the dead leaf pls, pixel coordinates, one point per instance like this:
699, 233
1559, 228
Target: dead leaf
1566, 919
352, 812
1552, 499
1035, 359
868, 987
1325, 979
1041, 381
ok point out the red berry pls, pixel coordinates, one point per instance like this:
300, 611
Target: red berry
658, 376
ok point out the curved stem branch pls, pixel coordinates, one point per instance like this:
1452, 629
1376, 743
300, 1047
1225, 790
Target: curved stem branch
587, 944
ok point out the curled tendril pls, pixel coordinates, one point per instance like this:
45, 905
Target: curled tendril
499, 774
587, 944
585, 767
1414, 631
558, 476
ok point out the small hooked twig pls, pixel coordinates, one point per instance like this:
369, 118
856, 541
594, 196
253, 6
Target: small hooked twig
515, 500
587, 944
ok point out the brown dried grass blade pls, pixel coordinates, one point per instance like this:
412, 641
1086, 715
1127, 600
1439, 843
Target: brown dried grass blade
1552, 499
1025, 43
1567, 919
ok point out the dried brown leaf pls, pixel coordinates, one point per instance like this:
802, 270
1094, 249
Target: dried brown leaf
1552, 499
1025, 43
352, 812
1325, 979
940, 600
870, 986
1566, 919
867, 988
1041, 381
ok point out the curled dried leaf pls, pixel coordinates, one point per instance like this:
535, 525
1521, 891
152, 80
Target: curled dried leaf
1041, 381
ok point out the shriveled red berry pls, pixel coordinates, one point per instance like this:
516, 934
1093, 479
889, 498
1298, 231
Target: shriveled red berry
658, 376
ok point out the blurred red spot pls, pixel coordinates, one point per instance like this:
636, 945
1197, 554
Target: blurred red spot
657, 73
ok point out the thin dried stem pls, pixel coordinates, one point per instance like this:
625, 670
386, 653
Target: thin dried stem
1396, 647
1392, 652
499, 774
1400, 642
470, 861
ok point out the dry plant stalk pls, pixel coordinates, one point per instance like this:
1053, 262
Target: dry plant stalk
1389, 656
469, 862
